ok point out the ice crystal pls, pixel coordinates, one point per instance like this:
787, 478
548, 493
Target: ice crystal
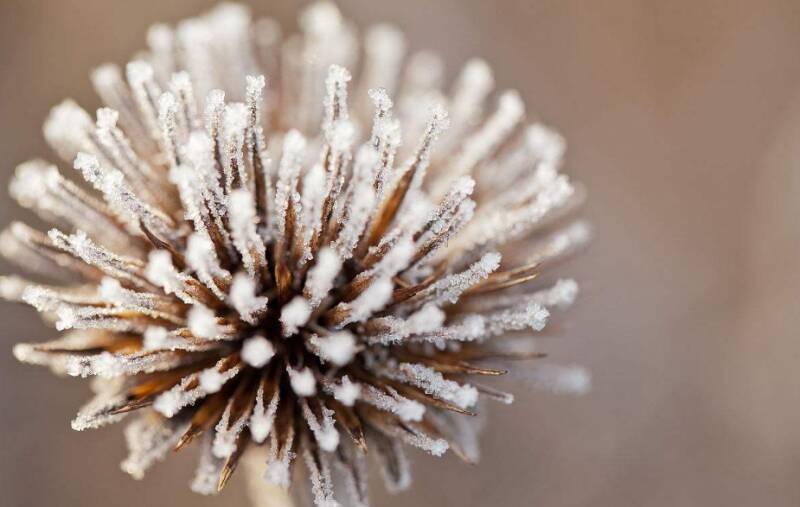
280, 257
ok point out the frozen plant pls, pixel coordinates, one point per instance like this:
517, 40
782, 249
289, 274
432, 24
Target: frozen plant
269, 264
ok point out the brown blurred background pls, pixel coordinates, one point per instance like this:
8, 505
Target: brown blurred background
683, 120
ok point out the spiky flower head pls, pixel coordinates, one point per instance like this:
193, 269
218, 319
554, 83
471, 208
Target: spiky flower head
263, 263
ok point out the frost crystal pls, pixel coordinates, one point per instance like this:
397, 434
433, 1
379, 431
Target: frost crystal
274, 256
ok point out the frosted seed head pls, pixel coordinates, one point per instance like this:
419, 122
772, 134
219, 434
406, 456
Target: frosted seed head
257, 351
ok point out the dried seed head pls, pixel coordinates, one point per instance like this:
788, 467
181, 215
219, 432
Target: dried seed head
303, 273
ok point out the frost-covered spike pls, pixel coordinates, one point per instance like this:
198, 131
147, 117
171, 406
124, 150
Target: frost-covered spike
434, 446
338, 348
346, 392
155, 337
528, 316
98, 412
203, 323
322, 276
562, 242
146, 303
446, 218
243, 221
402, 407
302, 381
202, 258
390, 329
480, 145
395, 259
323, 428
294, 315
161, 41
149, 440
13, 287
209, 469
227, 432
234, 125
439, 122
466, 105
352, 467
161, 272
561, 295
193, 387
450, 288
557, 378
168, 126
244, 298
108, 365
433, 383
116, 147
212, 115
374, 298
119, 195
254, 99
190, 184
358, 212
181, 87
384, 47
392, 460
67, 129
279, 459
462, 432
314, 192
545, 143
470, 328
503, 225
320, 475
145, 92
293, 146
257, 351
386, 137
263, 415
336, 96
39, 186
88, 251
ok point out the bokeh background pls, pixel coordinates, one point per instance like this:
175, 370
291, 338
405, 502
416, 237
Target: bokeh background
683, 120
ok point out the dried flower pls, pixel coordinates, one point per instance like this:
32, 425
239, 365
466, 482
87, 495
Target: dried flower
240, 274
